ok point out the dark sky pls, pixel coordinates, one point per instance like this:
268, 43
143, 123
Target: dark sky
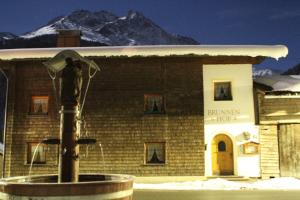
208, 21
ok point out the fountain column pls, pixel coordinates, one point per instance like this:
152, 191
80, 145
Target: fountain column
69, 150
71, 80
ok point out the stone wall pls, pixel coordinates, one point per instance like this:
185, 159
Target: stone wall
114, 115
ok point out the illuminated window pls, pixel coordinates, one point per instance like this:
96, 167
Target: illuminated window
155, 153
37, 152
222, 91
153, 104
39, 105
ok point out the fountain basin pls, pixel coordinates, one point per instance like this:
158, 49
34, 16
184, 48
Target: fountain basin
90, 186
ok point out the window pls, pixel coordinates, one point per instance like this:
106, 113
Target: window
37, 152
222, 91
155, 153
39, 105
153, 104
221, 146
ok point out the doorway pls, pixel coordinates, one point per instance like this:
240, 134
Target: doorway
222, 155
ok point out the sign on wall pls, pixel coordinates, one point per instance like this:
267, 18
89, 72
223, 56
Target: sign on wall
223, 115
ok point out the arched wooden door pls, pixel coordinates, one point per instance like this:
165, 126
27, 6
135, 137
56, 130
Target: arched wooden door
222, 155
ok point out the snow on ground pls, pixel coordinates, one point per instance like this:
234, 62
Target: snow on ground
287, 183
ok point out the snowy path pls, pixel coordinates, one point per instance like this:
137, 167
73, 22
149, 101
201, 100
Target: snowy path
215, 195
221, 184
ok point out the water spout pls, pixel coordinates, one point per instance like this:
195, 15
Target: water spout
102, 154
86, 141
51, 141
32, 160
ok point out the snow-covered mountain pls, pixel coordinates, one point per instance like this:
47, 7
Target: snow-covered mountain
108, 29
264, 72
293, 70
6, 36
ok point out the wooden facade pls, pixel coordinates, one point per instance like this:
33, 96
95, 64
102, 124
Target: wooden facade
289, 148
279, 120
114, 114
145, 108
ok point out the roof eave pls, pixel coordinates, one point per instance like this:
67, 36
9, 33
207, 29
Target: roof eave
273, 51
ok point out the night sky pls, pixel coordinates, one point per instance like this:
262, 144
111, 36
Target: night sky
208, 21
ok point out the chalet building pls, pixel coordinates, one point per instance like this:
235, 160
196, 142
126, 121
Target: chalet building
154, 110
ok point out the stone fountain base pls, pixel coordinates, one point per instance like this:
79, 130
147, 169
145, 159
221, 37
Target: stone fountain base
90, 186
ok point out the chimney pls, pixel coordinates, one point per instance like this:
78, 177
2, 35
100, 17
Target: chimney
68, 38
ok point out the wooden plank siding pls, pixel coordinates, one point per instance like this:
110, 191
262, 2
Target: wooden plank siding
279, 121
269, 151
289, 139
278, 110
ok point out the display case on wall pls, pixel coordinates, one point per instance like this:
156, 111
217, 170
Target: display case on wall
251, 148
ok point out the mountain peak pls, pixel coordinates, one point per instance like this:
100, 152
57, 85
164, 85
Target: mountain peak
293, 71
134, 14
259, 72
105, 28
55, 19
85, 18
105, 16
6, 36
80, 13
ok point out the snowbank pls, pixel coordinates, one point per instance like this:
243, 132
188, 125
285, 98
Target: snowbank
221, 184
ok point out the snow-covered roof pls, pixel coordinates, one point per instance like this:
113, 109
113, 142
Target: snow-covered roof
272, 51
58, 62
280, 82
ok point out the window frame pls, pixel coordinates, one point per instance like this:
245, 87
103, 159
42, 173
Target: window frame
146, 106
30, 151
146, 153
31, 107
229, 93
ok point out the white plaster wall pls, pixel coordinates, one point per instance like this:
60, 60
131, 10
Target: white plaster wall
244, 165
240, 118
242, 94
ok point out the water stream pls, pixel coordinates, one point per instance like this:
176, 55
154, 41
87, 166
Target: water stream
102, 155
32, 160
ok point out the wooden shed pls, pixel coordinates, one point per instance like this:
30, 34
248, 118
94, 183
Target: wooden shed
278, 108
